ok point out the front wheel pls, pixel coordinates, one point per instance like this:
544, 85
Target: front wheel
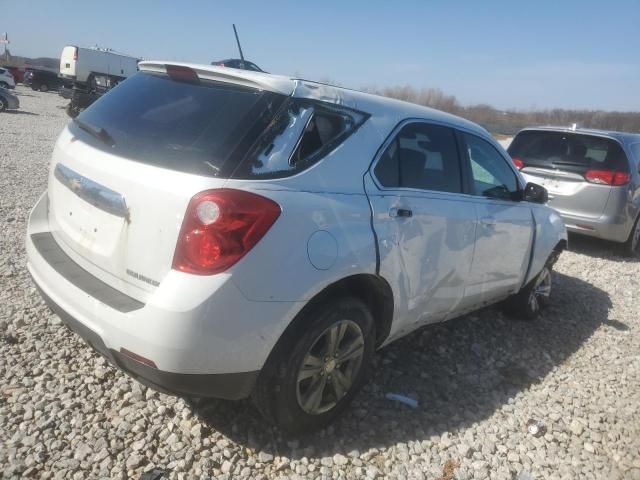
318, 367
529, 302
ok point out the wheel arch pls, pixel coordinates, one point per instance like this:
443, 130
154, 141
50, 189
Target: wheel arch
372, 289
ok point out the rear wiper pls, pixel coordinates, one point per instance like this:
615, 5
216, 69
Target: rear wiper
97, 132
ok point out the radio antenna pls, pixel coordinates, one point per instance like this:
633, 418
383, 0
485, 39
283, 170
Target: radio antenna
238, 41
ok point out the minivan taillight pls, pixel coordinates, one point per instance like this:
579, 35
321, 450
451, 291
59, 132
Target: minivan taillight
607, 177
220, 227
518, 163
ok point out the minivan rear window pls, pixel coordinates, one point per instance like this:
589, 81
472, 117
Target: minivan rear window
204, 128
574, 152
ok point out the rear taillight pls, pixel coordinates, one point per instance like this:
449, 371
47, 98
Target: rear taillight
220, 227
182, 74
518, 163
607, 177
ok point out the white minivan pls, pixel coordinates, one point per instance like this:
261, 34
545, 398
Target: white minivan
224, 233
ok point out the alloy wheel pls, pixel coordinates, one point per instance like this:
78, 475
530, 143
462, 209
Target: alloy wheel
541, 290
330, 367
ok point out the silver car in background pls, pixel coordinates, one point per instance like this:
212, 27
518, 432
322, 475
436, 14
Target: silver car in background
592, 178
8, 101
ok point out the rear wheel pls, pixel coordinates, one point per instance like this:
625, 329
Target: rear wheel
529, 302
317, 368
632, 245
44, 87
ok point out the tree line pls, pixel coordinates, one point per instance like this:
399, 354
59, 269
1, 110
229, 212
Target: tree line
508, 122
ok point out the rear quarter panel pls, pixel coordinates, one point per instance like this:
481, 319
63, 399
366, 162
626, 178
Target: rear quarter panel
328, 197
331, 229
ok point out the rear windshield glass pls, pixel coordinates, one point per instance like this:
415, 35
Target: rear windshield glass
204, 128
568, 151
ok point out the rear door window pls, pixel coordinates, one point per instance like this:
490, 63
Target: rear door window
567, 151
421, 156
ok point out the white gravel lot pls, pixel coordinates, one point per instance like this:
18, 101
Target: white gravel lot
65, 413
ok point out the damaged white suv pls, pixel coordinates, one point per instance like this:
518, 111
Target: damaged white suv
225, 233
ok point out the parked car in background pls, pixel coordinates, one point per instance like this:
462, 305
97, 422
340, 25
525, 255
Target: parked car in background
233, 233
17, 72
42, 80
8, 101
239, 64
6, 79
592, 177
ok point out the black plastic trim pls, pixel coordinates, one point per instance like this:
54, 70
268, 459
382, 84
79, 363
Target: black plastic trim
71, 271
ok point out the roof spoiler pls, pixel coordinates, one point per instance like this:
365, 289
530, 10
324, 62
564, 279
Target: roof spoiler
255, 80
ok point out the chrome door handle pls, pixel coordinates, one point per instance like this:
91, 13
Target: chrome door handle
400, 213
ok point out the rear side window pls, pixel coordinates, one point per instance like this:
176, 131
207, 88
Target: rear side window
303, 133
421, 156
567, 151
204, 128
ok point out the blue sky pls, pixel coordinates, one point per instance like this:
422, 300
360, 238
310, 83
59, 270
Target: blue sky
508, 54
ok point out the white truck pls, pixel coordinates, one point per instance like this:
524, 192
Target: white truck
93, 72
82, 65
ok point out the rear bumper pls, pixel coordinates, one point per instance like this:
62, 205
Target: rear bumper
205, 338
230, 386
615, 229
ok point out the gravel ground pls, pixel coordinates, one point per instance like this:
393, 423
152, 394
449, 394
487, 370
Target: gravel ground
65, 413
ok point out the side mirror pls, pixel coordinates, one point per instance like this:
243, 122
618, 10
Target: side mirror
535, 193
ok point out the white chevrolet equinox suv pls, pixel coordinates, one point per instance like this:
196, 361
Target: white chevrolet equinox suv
225, 233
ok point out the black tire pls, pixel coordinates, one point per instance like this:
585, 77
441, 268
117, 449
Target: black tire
631, 248
35, 87
280, 394
3, 104
531, 300
44, 87
72, 111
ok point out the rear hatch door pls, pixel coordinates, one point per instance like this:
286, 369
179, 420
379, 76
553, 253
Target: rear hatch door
123, 173
563, 161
